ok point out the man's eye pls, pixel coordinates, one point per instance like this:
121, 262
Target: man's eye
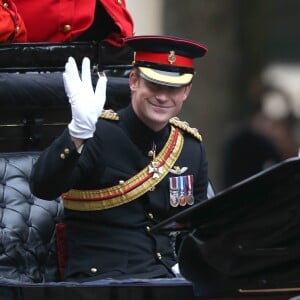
153, 85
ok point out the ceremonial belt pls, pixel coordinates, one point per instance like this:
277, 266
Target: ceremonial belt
133, 188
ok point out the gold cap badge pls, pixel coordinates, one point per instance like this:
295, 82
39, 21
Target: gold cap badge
172, 57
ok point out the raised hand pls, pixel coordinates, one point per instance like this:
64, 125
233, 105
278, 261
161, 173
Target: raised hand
86, 104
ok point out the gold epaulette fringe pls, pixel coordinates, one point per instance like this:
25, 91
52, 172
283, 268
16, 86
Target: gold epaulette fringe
186, 127
109, 114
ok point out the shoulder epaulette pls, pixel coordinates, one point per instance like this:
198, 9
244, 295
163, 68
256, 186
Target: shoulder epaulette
186, 127
109, 114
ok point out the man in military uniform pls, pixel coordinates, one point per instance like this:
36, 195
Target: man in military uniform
126, 171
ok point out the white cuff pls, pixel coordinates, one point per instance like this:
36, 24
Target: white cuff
79, 150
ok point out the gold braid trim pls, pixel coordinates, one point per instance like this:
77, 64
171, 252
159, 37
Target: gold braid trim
186, 127
133, 188
109, 114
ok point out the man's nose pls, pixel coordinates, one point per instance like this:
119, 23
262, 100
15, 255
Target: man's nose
162, 94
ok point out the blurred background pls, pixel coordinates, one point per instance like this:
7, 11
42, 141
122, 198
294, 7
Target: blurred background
245, 99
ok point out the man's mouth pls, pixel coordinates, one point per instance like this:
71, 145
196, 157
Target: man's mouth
157, 105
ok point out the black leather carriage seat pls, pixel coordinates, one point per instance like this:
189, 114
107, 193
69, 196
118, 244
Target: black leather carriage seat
27, 224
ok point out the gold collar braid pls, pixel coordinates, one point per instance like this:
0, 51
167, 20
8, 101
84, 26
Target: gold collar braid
133, 188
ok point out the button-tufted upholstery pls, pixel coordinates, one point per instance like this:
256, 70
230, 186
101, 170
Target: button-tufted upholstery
27, 235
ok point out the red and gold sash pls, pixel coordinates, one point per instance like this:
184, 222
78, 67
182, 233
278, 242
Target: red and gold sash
131, 189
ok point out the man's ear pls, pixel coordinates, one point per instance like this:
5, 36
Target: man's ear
133, 80
187, 91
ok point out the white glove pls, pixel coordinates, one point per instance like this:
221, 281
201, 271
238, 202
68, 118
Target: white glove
86, 105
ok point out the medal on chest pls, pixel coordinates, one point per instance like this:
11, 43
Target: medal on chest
154, 167
181, 190
190, 197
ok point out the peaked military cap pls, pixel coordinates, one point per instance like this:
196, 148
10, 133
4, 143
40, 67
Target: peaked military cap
165, 60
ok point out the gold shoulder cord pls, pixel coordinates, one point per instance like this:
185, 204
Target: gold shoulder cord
133, 188
109, 114
186, 127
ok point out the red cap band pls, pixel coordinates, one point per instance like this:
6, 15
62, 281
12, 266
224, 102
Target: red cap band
170, 58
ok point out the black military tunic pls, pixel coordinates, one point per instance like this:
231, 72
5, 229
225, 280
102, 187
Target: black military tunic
116, 242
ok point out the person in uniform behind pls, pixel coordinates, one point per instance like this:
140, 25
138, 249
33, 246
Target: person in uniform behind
12, 28
123, 172
72, 20
98, 22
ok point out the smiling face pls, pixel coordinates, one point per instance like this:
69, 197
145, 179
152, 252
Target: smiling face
155, 104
